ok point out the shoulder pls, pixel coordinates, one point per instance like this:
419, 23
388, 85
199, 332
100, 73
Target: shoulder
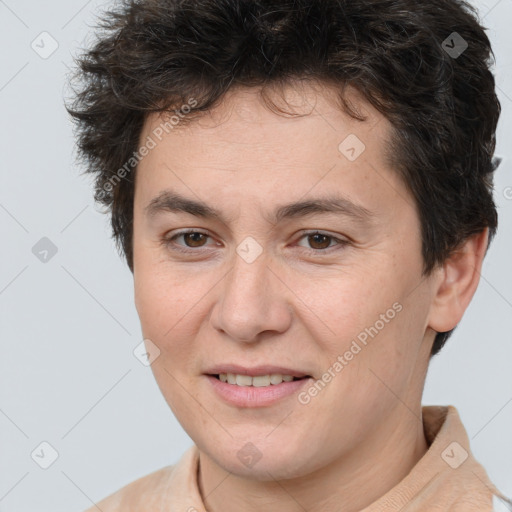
144, 493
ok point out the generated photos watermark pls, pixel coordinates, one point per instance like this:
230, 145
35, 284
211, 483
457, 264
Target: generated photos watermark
344, 359
144, 150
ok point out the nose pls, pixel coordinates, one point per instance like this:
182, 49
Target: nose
253, 299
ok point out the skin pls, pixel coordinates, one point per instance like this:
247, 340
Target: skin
295, 305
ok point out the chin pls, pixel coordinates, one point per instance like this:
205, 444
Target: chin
262, 460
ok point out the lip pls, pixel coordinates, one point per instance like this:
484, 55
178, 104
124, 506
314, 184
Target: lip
254, 371
250, 396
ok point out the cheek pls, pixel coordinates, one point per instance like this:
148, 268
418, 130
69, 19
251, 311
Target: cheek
154, 300
372, 323
346, 304
167, 319
173, 306
161, 301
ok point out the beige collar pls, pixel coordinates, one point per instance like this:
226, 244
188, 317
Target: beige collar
446, 478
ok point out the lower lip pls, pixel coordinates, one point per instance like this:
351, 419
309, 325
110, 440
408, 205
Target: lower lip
251, 396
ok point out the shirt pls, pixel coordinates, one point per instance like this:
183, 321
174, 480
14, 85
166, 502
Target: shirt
446, 478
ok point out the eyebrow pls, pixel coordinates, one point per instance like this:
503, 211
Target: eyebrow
169, 201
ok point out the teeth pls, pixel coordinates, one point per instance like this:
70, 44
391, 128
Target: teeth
259, 381
244, 380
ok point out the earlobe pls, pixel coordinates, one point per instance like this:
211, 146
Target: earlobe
459, 278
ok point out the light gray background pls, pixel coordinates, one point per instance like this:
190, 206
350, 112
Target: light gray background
68, 327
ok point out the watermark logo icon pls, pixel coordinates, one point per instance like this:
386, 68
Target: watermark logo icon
45, 45
454, 45
44, 250
146, 352
352, 147
454, 455
44, 455
249, 455
249, 249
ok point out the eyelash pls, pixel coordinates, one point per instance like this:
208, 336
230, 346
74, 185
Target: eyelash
169, 242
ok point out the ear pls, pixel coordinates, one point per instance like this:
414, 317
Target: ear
459, 278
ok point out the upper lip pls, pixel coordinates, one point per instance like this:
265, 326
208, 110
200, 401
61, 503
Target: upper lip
254, 371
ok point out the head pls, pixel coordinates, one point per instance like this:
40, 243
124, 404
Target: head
256, 125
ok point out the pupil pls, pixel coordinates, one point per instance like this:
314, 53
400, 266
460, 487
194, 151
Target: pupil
195, 238
325, 237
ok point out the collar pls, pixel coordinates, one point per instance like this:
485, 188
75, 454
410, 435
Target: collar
446, 478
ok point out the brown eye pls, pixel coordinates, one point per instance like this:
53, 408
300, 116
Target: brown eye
187, 241
319, 241
194, 239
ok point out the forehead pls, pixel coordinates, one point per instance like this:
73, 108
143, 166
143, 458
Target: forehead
294, 106
242, 148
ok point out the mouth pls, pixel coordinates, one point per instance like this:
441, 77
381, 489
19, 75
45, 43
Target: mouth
273, 379
255, 387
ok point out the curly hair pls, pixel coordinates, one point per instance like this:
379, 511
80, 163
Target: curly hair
157, 55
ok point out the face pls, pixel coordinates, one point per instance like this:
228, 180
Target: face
265, 245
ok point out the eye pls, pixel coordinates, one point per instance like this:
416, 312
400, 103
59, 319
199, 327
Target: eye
193, 239
321, 242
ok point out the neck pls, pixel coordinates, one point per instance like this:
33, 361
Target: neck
355, 480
